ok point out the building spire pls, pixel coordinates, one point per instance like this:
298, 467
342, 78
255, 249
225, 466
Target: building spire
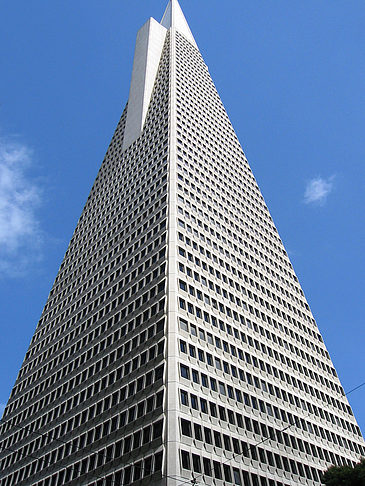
174, 17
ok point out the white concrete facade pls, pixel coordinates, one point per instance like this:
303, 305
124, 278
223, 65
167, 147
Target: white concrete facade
176, 346
174, 18
149, 44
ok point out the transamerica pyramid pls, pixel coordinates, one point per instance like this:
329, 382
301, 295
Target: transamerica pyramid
176, 345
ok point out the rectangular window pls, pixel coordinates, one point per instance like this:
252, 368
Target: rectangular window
127, 475
236, 446
198, 432
213, 409
157, 430
146, 434
237, 477
185, 460
184, 371
184, 398
227, 473
217, 439
217, 470
227, 442
137, 471
196, 463
207, 467
185, 428
204, 379
194, 402
184, 325
148, 466
208, 435
203, 405
158, 462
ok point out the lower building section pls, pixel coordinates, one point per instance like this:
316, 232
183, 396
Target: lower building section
206, 470
118, 471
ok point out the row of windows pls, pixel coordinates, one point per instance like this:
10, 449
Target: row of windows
260, 263
136, 205
334, 402
128, 170
210, 231
208, 114
96, 236
105, 281
143, 468
236, 207
279, 296
121, 232
43, 329
262, 366
198, 88
259, 383
254, 227
223, 472
95, 246
86, 439
249, 236
244, 215
240, 447
253, 230
238, 212
150, 312
126, 371
272, 336
236, 394
223, 441
116, 261
79, 265
104, 429
60, 291
80, 344
222, 277
280, 292
189, 172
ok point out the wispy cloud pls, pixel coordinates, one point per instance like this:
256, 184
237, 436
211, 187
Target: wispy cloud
2, 408
317, 190
20, 196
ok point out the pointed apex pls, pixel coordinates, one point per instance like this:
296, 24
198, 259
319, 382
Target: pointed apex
174, 17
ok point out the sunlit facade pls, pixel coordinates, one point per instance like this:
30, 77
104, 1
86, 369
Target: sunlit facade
176, 345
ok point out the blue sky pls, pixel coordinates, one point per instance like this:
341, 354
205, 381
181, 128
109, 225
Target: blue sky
291, 75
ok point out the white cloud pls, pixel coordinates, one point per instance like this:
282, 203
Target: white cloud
317, 190
20, 235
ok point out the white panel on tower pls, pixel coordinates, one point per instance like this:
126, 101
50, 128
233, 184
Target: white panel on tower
147, 54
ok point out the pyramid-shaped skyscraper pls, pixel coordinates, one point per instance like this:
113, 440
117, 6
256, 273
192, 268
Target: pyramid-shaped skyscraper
176, 345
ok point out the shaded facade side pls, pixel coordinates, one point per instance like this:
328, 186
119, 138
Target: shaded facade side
89, 397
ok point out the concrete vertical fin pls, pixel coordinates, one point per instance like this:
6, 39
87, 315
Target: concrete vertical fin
147, 55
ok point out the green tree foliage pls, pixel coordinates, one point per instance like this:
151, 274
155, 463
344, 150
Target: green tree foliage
345, 475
